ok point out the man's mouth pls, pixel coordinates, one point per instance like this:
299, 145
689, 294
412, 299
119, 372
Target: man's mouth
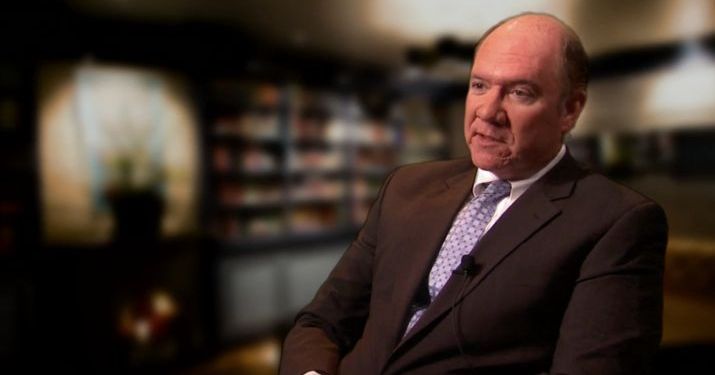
487, 138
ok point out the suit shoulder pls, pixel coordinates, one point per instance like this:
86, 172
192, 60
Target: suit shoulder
426, 176
610, 193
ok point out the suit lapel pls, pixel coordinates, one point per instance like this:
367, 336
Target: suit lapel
531, 212
429, 225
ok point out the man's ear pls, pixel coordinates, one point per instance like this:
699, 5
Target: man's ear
571, 109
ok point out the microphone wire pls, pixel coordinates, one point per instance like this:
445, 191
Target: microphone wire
466, 270
455, 315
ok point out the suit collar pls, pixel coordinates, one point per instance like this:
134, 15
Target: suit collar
561, 180
462, 179
430, 224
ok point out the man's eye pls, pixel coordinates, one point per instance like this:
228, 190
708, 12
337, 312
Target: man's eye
478, 85
522, 94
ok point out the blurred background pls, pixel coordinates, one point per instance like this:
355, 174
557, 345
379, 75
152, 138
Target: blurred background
178, 177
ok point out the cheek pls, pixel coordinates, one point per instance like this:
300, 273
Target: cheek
535, 129
468, 109
468, 117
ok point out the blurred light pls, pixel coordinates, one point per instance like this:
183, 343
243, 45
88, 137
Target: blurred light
142, 330
95, 121
163, 305
686, 91
692, 17
423, 20
147, 317
269, 353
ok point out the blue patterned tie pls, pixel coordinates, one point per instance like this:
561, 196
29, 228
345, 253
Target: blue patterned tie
466, 230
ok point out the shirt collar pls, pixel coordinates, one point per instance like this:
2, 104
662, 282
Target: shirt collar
520, 186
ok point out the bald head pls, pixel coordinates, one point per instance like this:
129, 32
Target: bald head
542, 29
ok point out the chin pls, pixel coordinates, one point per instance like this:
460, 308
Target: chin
489, 162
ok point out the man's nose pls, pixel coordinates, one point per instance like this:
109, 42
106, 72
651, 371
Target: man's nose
490, 107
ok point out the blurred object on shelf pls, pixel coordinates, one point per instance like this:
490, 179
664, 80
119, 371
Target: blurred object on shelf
241, 195
377, 161
232, 93
227, 126
365, 191
309, 127
315, 160
222, 159
230, 194
423, 137
426, 137
317, 189
375, 133
337, 131
255, 124
313, 219
244, 228
267, 225
266, 95
260, 125
257, 160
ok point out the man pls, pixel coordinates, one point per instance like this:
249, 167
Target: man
566, 273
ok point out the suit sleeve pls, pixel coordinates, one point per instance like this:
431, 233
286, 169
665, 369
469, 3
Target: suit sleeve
333, 321
613, 322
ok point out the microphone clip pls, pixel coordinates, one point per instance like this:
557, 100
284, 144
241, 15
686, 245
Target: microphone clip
467, 267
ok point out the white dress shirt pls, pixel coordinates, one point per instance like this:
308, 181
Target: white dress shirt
517, 187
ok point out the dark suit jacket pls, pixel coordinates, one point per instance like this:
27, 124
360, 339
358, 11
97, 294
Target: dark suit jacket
569, 281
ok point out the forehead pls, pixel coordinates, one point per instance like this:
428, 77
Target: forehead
524, 48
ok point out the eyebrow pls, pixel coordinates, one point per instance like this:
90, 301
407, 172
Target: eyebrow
508, 82
515, 82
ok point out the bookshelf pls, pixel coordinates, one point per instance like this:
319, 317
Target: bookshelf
281, 166
291, 164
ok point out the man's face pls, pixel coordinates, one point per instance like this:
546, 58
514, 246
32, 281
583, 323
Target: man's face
516, 114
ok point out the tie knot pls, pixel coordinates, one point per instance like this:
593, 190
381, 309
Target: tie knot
496, 190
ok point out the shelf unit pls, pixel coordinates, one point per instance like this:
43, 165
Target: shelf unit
290, 164
423, 130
